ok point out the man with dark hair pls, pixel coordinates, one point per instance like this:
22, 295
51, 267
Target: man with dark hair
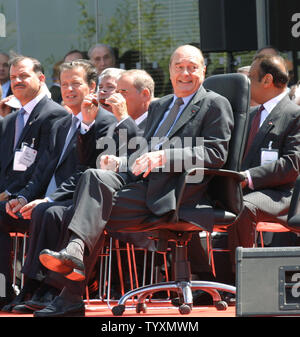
271, 160
78, 80
26, 131
75, 54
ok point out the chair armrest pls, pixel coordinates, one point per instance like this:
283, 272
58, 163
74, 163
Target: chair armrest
218, 172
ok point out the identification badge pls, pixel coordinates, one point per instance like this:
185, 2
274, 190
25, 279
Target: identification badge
24, 158
18, 166
28, 156
268, 155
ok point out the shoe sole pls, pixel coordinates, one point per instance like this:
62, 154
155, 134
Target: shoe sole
26, 310
76, 275
35, 307
54, 264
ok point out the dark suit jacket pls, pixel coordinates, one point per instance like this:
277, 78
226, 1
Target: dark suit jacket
48, 165
282, 128
102, 125
207, 115
37, 128
89, 147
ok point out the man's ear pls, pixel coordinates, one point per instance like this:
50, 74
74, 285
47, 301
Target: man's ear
146, 94
42, 77
267, 80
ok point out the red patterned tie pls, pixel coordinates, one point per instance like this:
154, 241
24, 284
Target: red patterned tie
254, 129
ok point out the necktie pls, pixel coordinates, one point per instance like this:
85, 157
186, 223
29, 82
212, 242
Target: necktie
70, 135
169, 121
19, 125
254, 128
52, 185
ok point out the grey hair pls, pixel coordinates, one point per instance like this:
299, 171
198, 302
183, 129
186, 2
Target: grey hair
111, 72
141, 80
110, 49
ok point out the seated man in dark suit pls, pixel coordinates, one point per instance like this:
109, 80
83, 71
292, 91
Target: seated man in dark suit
58, 162
46, 217
271, 161
202, 118
26, 131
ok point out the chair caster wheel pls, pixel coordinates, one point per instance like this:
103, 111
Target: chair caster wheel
221, 305
141, 307
118, 310
185, 309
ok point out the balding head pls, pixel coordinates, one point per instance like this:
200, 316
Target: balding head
187, 70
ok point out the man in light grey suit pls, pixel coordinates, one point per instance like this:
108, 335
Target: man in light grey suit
195, 113
271, 161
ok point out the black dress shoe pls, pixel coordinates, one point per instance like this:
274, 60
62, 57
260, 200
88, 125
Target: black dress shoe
21, 309
41, 298
59, 307
64, 263
23, 295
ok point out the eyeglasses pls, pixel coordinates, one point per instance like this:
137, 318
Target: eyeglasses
121, 91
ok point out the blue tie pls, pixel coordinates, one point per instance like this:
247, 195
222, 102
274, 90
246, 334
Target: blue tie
19, 125
52, 185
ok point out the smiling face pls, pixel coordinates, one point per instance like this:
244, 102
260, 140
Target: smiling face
187, 70
74, 88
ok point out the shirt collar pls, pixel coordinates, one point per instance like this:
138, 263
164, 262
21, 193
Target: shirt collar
139, 120
185, 99
28, 107
270, 105
78, 116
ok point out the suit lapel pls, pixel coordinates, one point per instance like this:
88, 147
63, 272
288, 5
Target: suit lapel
10, 154
189, 111
264, 130
12, 128
62, 138
158, 114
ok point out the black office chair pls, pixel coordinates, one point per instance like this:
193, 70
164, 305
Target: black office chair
224, 189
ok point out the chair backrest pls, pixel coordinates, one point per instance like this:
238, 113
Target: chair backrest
236, 88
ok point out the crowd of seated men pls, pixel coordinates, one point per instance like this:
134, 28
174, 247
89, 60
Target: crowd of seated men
59, 183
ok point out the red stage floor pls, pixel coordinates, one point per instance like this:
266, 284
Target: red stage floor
100, 309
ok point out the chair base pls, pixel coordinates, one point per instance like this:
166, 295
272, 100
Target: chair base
184, 290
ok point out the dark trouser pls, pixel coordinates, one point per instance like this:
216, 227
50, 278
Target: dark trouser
45, 230
93, 201
258, 206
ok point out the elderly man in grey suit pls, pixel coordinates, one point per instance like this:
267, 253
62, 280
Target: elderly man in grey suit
271, 160
191, 112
